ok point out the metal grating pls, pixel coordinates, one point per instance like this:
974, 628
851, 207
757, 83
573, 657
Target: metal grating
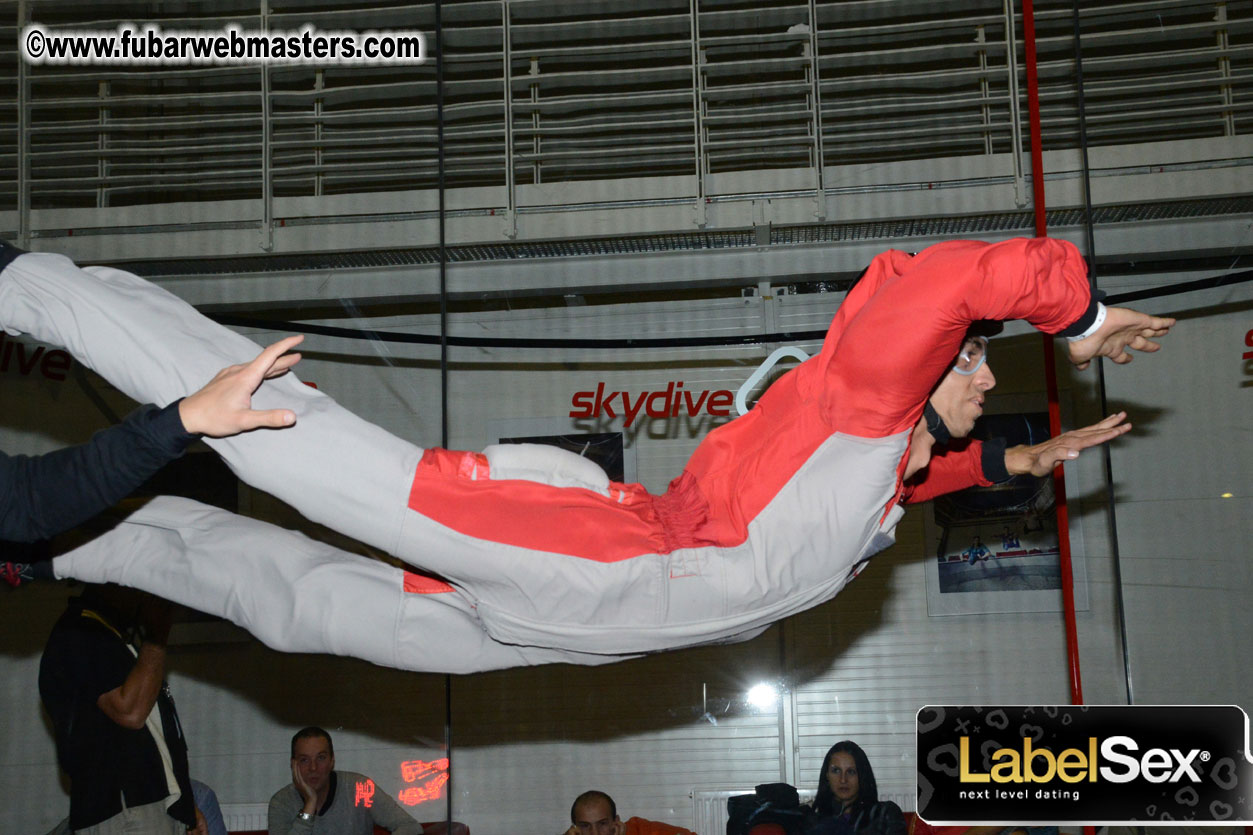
541, 92
9, 143
832, 233
1178, 63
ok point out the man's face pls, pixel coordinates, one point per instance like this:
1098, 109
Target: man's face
959, 398
592, 817
314, 761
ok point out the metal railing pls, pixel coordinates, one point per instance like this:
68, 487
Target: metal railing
540, 93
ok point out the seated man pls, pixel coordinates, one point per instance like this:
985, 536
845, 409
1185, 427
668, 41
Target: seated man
595, 813
321, 799
544, 558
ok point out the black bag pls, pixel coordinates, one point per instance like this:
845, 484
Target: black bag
883, 818
776, 803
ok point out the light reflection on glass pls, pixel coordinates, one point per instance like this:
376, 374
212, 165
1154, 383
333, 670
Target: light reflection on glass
763, 696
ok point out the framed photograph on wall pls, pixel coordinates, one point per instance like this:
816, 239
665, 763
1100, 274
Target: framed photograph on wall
996, 549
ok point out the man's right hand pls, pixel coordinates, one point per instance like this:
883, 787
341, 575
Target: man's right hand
307, 794
1123, 329
201, 827
224, 406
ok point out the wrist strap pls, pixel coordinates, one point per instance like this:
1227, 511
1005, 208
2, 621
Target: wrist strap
1096, 324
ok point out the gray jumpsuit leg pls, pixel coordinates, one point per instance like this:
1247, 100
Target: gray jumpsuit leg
334, 467
294, 593
345, 473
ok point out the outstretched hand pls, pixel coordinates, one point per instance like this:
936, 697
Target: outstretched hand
1040, 459
224, 406
1122, 329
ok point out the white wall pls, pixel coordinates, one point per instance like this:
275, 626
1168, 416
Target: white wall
1186, 569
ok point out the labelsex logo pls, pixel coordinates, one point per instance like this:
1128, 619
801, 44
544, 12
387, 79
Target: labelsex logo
668, 402
1077, 764
1039, 765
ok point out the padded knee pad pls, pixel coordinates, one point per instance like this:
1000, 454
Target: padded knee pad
546, 465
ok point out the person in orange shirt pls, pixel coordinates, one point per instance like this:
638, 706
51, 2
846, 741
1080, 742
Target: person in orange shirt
594, 813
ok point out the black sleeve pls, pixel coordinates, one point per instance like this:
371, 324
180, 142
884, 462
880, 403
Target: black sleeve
993, 460
42, 495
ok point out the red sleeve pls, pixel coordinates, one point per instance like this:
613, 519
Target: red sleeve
889, 354
640, 826
947, 472
884, 266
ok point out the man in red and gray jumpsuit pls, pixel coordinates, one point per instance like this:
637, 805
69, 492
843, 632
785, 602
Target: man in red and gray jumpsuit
545, 559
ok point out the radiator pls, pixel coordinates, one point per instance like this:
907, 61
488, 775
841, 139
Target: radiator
709, 809
245, 817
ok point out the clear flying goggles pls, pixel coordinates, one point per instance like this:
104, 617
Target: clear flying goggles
974, 354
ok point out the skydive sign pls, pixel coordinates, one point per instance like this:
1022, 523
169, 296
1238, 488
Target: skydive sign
1084, 765
671, 401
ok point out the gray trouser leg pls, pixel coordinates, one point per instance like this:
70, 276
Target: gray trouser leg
294, 593
334, 467
149, 819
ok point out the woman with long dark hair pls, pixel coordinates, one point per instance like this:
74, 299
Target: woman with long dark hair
848, 802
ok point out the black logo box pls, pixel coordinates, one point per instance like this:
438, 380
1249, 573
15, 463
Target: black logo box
1210, 741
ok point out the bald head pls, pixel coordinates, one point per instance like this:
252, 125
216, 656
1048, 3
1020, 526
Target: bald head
594, 813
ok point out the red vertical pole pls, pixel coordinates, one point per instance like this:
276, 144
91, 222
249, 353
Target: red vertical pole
1050, 364
1033, 116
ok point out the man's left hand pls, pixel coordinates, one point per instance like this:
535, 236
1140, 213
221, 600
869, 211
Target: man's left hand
201, 827
1040, 459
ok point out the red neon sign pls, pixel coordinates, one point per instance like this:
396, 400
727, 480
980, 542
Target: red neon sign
412, 770
432, 776
365, 794
414, 795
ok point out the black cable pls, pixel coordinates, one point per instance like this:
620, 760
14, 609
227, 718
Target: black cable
503, 342
443, 339
1183, 287
1107, 457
